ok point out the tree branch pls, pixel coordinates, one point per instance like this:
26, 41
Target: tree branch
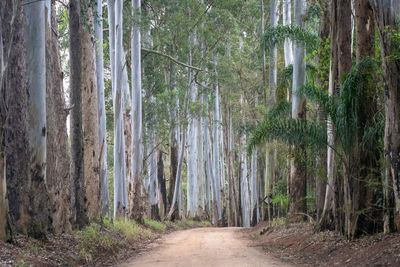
171, 58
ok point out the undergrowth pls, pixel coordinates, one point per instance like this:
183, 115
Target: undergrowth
107, 237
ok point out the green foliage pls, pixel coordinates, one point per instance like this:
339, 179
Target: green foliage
345, 109
394, 34
350, 105
290, 131
286, 77
108, 236
277, 35
279, 110
130, 229
156, 225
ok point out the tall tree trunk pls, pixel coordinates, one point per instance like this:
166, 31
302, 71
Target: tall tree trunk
298, 188
120, 191
369, 160
386, 16
3, 185
35, 35
216, 167
264, 63
323, 79
173, 142
98, 30
228, 152
90, 120
244, 186
76, 135
57, 171
192, 153
153, 179
15, 126
288, 46
344, 33
137, 144
162, 190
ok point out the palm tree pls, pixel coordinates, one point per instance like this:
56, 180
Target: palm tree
353, 137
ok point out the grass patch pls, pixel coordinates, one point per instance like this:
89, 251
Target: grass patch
278, 222
156, 225
107, 237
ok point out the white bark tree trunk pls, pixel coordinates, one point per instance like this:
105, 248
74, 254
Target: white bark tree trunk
216, 144
288, 45
253, 187
299, 66
287, 20
98, 31
244, 185
36, 71
137, 142
120, 189
192, 151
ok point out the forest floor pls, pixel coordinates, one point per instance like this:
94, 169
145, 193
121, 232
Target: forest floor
122, 243
298, 244
99, 244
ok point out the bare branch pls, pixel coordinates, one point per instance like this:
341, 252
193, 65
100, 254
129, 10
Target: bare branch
171, 58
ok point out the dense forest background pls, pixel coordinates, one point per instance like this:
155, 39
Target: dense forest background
232, 111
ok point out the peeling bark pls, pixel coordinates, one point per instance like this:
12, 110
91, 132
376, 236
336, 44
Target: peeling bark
57, 171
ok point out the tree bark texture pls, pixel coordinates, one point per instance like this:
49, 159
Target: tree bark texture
57, 171
15, 127
76, 135
90, 120
98, 29
369, 158
386, 16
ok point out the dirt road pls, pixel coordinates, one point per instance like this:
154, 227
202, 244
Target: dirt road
204, 247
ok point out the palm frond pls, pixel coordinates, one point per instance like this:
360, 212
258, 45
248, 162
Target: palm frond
279, 110
291, 131
353, 94
373, 133
277, 35
317, 95
286, 76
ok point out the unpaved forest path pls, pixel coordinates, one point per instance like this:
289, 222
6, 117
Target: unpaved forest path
213, 247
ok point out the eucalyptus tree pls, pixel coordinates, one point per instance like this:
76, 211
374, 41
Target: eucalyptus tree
120, 188
174, 137
57, 164
181, 155
98, 30
387, 21
14, 120
340, 63
137, 142
209, 165
273, 76
244, 185
298, 189
323, 80
192, 150
216, 144
288, 47
369, 156
90, 119
76, 135
35, 39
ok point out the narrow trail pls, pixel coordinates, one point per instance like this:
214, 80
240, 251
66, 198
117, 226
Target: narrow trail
204, 247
